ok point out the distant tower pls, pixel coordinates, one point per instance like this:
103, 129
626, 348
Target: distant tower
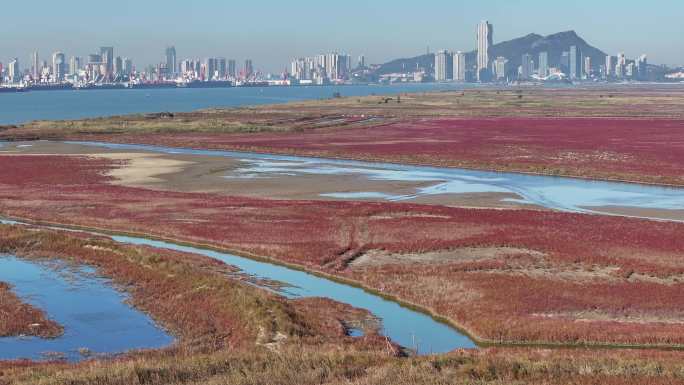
565, 62
611, 62
460, 66
58, 66
232, 69
642, 67
527, 66
107, 57
74, 65
543, 64
127, 66
13, 71
35, 66
587, 66
171, 61
575, 63
485, 40
621, 65
362, 61
444, 66
222, 67
500, 68
249, 69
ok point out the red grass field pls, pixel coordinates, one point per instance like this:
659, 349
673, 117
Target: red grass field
557, 278
640, 150
18, 318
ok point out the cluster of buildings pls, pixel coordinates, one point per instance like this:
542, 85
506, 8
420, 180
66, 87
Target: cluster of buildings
324, 68
104, 68
572, 65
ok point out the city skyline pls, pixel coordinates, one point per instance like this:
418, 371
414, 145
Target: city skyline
380, 33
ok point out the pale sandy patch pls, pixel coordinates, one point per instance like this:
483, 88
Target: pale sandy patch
142, 169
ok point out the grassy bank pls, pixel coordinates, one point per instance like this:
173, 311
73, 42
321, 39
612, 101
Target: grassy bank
21, 319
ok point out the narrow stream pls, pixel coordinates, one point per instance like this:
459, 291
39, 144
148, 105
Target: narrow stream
556, 193
407, 327
95, 317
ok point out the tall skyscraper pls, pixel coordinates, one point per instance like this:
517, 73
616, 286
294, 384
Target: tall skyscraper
118, 66
221, 67
210, 65
127, 66
460, 66
485, 40
362, 62
565, 62
232, 69
13, 71
642, 67
587, 66
58, 66
171, 61
444, 66
527, 66
74, 65
543, 64
575, 63
249, 69
107, 57
621, 65
500, 68
35, 66
611, 62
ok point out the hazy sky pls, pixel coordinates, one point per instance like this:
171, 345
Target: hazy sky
271, 32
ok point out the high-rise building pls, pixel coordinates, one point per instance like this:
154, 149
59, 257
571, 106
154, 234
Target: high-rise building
543, 64
221, 67
460, 66
587, 66
171, 61
232, 69
500, 68
485, 40
575, 63
630, 70
249, 69
527, 67
107, 58
444, 66
621, 65
565, 62
58, 66
35, 66
362, 62
74, 65
642, 67
611, 62
127, 66
118, 66
210, 69
13, 71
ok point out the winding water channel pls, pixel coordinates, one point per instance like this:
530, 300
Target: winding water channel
94, 314
405, 326
556, 193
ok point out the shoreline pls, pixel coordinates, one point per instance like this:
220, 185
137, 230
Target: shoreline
479, 341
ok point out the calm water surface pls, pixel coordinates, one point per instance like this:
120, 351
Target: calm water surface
557, 193
407, 327
92, 312
18, 108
